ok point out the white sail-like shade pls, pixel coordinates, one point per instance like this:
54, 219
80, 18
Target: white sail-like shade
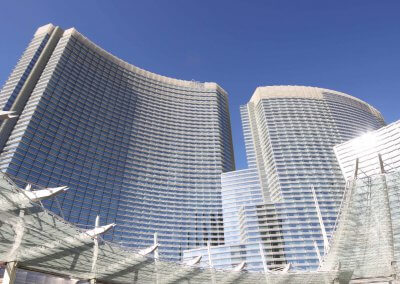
41, 194
7, 114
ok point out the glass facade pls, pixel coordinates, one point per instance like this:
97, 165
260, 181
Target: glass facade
290, 132
239, 188
22, 70
366, 239
364, 248
366, 148
296, 130
141, 150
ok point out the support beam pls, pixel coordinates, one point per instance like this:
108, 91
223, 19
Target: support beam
381, 165
210, 263
10, 272
23, 199
356, 169
389, 234
286, 269
66, 243
19, 225
318, 252
134, 260
148, 250
193, 261
41, 194
96, 246
99, 230
239, 267
7, 114
156, 255
264, 262
321, 222
19, 230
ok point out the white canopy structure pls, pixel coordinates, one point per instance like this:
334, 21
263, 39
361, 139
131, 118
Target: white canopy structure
366, 243
7, 114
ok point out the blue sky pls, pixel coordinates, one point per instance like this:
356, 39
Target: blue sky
349, 46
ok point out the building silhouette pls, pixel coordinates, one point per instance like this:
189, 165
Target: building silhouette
139, 149
286, 203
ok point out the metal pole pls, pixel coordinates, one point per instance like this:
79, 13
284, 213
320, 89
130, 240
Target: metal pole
356, 169
321, 222
386, 207
95, 251
156, 257
264, 262
19, 229
210, 262
10, 272
209, 255
381, 164
318, 253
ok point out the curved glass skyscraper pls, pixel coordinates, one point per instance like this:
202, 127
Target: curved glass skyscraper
290, 132
294, 130
141, 150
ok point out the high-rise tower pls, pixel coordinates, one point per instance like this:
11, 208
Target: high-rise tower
141, 150
294, 130
290, 132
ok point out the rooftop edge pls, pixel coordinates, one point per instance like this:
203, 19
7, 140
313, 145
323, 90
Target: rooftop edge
151, 75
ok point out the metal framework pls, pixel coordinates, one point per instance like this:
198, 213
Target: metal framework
366, 240
365, 243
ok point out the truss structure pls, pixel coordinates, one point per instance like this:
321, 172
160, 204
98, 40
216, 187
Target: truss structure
367, 237
366, 243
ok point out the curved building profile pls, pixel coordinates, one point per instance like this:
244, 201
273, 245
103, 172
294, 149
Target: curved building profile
287, 202
291, 134
139, 149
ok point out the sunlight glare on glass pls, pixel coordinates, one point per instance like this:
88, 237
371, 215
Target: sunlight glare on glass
366, 142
